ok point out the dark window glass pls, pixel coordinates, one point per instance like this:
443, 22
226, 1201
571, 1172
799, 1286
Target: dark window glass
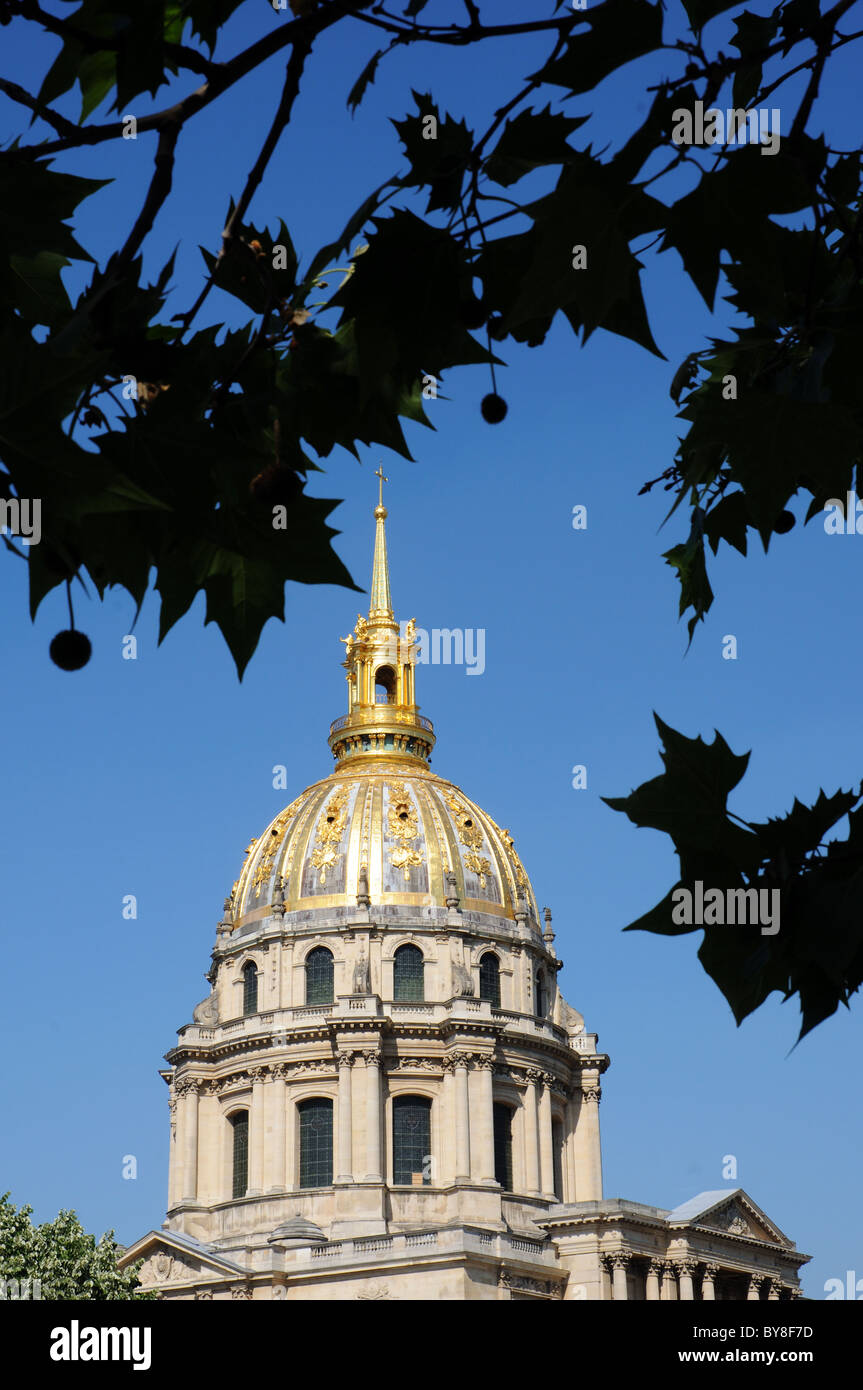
319, 976
250, 989
240, 1126
489, 979
540, 994
503, 1146
316, 1142
408, 974
412, 1140
557, 1158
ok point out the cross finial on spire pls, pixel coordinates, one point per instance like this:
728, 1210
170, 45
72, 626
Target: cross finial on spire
382, 478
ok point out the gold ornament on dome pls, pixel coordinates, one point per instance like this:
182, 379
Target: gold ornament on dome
470, 835
331, 827
520, 875
403, 827
265, 863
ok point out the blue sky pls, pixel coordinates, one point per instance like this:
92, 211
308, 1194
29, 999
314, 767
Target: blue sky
150, 777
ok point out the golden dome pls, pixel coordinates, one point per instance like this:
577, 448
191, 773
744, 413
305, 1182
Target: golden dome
382, 826
406, 827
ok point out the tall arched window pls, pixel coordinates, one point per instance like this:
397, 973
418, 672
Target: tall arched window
250, 988
412, 1140
489, 978
503, 1146
408, 974
319, 976
316, 1142
540, 1003
240, 1153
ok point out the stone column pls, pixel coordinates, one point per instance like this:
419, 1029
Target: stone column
546, 1156
619, 1290
484, 1067
276, 1154
256, 1134
373, 1116
685, 1271
753, 1292
530, 1133
462, 1120
190, 1141
174, 1161
346, 1132
775, 1290
668, 1292
708, 1283
651, 1289
292, 1179
589, 1157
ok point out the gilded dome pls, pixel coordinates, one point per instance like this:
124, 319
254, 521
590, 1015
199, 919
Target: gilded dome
382, 826
405, 827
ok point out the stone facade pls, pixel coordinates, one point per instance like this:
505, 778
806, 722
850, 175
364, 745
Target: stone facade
385, 1095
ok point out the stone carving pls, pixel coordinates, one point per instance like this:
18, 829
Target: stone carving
345, 1059
523, 1283
207, 1012
416, 1064
376, 1292
363, 899
732, 1220
201, 1294
280, 1291
451, 898
462, 983
241, 1291
362, 983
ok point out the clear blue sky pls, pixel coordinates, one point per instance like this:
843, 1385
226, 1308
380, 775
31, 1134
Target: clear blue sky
150, 777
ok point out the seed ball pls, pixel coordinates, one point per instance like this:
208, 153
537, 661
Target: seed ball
70, 650
493, 408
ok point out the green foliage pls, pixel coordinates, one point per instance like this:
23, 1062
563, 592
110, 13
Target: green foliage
67, 1262
176, 457
817, 951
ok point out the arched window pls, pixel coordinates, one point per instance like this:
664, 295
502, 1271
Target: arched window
316, 1142
319, 976
557, 1157
408, 974
503, 1146
240, 1153
250, 988
385, 685
540, 1004
412, 1140
489, 978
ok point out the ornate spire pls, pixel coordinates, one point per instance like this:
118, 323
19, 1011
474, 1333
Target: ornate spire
381, 603
383, 718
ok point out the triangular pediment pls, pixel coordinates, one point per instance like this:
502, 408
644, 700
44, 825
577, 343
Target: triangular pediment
170, 1258
733, 1213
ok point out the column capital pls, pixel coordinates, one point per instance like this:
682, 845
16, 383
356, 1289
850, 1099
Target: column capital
686, 1264
654, 1267
372, 1056
279, 1071
591, 1093
187, 1086
535, 1074
345, 1059
258, 1074
711, 1270
482, 1062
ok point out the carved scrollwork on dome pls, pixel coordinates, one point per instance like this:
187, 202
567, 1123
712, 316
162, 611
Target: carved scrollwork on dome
403, 827
264, 867
329, 832
472, 837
